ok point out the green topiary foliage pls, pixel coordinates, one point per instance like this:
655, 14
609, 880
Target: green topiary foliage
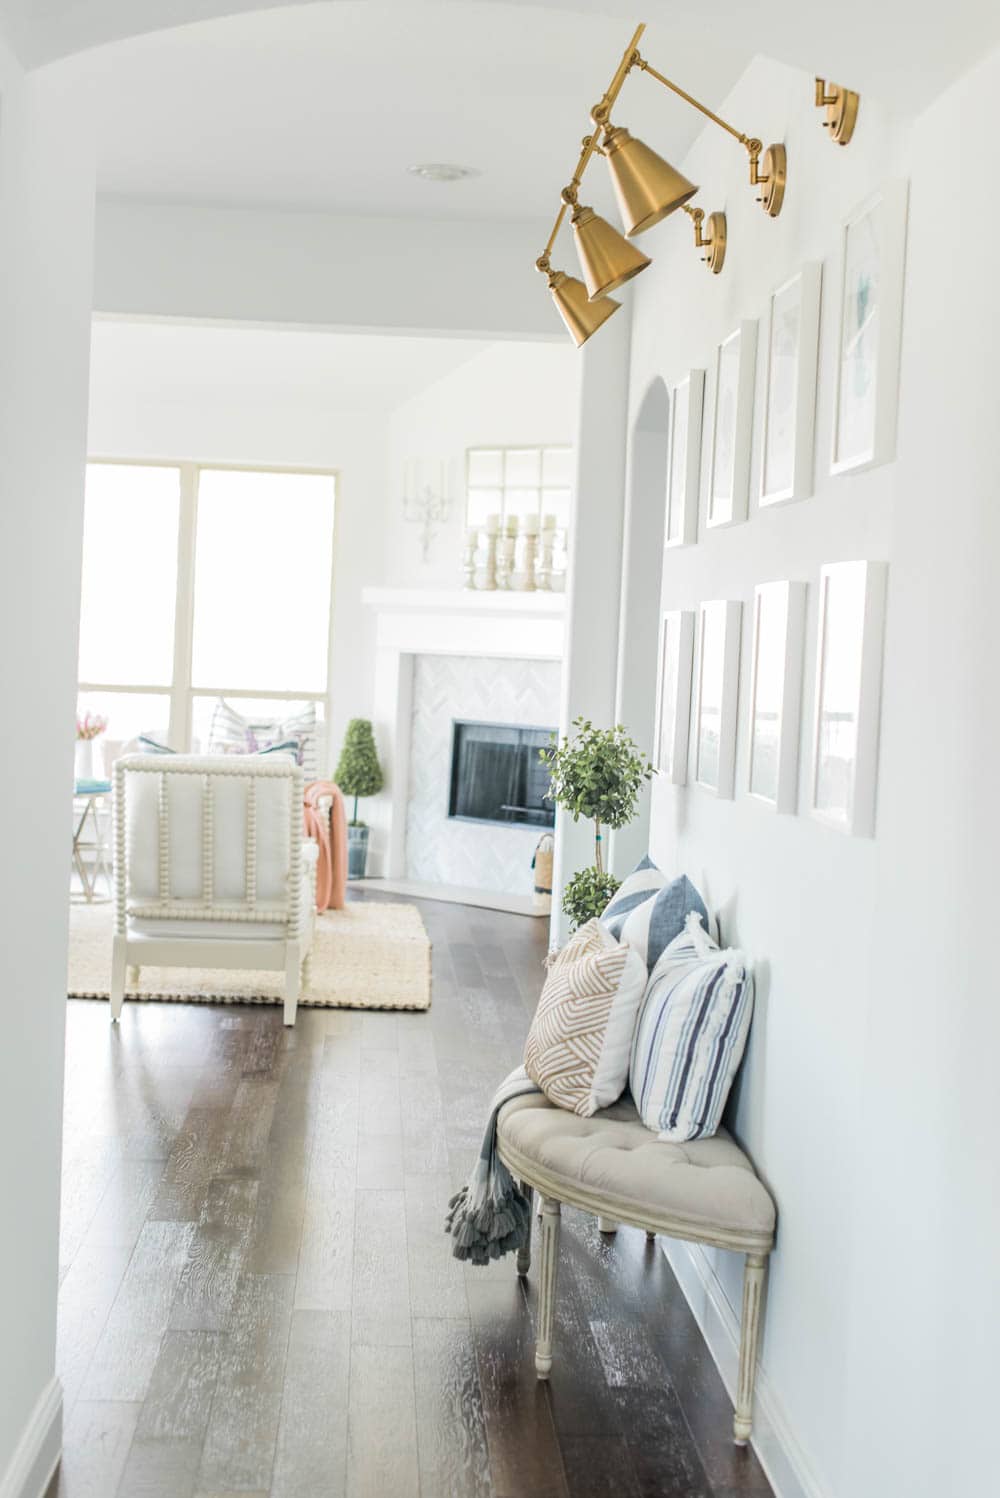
358, 771
597, 774
587, 894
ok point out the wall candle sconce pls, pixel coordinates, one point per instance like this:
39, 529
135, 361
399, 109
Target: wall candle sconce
426, 505
715, 242
841, 105
647, 189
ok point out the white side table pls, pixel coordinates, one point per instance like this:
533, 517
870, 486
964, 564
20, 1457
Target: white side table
91, 828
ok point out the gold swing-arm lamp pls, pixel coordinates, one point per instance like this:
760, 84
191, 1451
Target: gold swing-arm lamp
584, 308
648, 188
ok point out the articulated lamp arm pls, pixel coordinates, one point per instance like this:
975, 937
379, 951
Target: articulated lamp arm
775, 162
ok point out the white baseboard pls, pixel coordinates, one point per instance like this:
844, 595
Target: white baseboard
454, 894
37, 1454
773, 1440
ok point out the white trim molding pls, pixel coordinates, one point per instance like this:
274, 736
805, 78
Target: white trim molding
773, 1439
37, 1453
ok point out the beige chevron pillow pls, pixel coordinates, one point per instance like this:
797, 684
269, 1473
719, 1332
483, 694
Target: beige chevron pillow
580, 1040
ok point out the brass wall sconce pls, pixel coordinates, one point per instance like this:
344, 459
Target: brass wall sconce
714, 242
841, 105
647, 189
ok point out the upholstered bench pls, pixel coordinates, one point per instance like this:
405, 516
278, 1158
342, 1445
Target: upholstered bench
613, 1166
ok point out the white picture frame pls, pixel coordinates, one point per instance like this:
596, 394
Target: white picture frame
869, 330
717, 692
732, 427
687, 400
778, 644
790, 372
848, 691
673, 695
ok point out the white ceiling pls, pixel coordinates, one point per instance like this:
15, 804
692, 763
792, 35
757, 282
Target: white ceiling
902, 51
325, 106
254, 367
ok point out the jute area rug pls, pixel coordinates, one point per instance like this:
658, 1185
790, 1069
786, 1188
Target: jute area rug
366, 956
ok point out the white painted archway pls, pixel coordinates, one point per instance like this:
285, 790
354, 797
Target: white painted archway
638, 630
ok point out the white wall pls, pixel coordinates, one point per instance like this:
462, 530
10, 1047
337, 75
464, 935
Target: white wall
46, 206
864, 1096
925, 1309
505, 395
454, 276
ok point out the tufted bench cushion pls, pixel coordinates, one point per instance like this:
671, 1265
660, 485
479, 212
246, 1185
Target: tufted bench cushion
611, 1164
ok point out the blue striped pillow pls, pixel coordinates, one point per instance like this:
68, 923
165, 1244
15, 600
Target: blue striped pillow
691, 1035
651, 926
642, 884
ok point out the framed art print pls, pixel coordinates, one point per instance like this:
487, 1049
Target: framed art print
869, 330
684, 470
673, 697
848, 695
718, 688
779, 616
786, 469
732, 421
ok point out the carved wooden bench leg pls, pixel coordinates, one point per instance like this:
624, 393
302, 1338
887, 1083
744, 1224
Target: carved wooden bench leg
524, 1254
607, 1225
754, 1275
549, 1269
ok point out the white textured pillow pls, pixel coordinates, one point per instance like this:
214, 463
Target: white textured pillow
690, 1036
580, 1040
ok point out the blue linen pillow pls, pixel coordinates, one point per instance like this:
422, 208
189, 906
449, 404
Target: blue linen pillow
642, 884
653, 923
691, 1035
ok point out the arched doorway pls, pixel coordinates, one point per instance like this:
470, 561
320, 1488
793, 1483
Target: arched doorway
642, 560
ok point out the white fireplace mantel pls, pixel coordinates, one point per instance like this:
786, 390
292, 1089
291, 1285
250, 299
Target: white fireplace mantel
439, 621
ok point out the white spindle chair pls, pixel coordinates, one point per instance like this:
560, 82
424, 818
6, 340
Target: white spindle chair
211, 868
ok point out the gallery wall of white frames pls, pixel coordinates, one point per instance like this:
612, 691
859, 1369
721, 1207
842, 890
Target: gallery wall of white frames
779, 621
852, 599
719, 416
720, 424
732, 426
717, 696
687, 400
789, 395
698, 690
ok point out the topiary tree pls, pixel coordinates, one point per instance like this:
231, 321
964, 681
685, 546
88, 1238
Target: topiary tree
596, 774
358, 771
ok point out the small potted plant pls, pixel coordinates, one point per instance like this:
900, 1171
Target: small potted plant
597, 774
88, 728
358, 773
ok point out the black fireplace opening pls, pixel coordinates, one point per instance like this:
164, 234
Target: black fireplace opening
498, 775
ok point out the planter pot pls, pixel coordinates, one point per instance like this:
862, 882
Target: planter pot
357, 852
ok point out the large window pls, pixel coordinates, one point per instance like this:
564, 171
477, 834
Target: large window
200, 582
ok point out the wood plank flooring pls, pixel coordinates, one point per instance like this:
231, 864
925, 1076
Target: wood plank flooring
257, 1297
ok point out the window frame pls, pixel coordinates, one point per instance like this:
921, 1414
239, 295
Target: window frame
181, 693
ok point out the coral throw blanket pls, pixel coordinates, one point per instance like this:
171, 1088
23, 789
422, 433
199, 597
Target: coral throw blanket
330, 833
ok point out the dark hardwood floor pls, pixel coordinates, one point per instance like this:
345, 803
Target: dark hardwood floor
257, 1297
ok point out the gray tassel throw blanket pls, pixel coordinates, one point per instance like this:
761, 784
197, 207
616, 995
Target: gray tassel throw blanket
490, 1216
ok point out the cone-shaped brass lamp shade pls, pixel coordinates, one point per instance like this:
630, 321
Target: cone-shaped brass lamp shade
607, 258
646, 186
581, 316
